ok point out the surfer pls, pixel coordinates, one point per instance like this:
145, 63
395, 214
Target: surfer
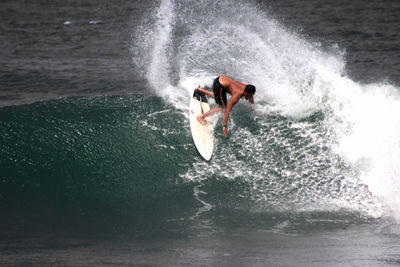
221, 86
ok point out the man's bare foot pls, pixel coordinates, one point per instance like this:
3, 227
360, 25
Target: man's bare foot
201, 120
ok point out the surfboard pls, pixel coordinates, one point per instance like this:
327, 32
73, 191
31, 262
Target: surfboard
203, 135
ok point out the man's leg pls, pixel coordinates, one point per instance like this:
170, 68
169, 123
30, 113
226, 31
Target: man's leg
209, 93
211, 111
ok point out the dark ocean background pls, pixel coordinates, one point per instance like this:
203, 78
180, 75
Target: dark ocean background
98, 166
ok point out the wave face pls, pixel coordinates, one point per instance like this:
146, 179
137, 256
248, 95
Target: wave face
111, 162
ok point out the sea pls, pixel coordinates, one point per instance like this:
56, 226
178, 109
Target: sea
97, 162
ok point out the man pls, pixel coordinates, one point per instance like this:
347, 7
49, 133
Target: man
221, 86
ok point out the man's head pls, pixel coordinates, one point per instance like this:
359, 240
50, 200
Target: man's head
249, 91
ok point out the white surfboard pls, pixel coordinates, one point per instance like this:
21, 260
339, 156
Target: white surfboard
203, 135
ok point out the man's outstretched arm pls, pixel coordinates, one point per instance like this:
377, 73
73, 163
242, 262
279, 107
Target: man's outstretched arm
230, 105
206, 92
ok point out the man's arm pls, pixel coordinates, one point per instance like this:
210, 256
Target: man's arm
230, 105
209, 93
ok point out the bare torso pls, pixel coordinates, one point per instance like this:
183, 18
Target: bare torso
235, 88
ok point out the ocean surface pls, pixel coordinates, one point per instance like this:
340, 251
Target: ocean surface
98, 166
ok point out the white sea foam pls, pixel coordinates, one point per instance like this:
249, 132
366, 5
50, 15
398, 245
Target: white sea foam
346, 159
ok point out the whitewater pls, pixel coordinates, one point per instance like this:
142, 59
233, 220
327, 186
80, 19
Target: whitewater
316, 139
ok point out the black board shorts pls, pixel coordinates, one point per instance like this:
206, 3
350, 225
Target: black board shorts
219, 93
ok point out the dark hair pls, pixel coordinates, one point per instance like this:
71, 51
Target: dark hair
250, 89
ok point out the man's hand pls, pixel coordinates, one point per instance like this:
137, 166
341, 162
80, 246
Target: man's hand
225, 131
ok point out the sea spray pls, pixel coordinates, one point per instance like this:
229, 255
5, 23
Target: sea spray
317, 145
159, 66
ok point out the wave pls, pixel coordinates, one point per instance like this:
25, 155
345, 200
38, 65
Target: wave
101, 151
318, 148
316, 141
